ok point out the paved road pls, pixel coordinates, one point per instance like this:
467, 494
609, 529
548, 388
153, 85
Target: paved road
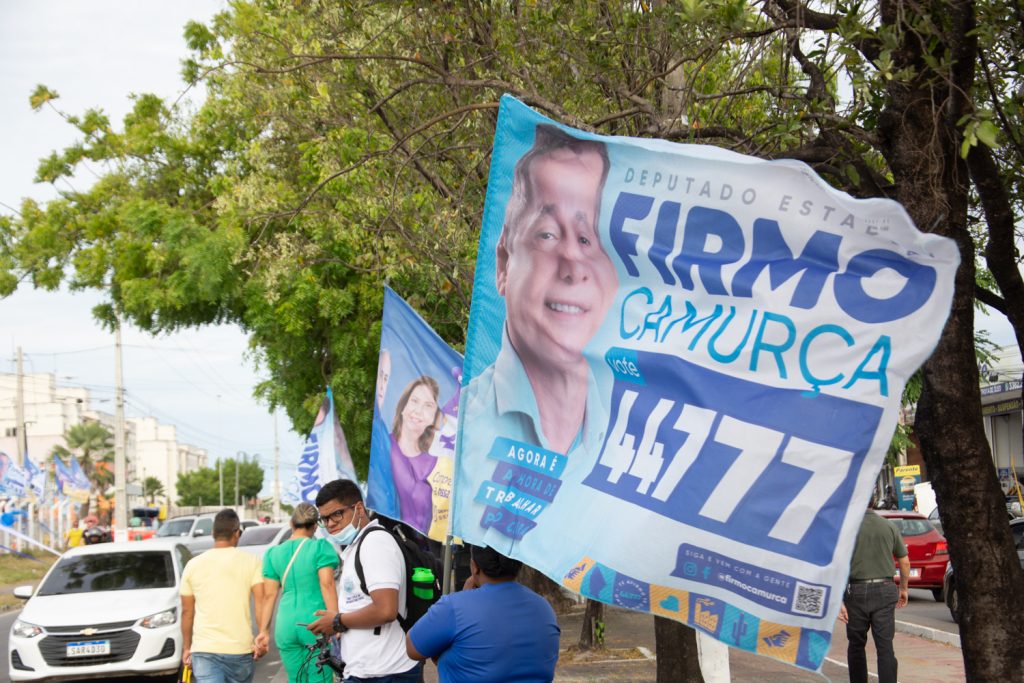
924, 610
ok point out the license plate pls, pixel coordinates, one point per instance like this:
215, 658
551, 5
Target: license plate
89, 648
915, 573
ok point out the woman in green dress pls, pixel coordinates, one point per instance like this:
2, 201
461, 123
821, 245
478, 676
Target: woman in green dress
302, 569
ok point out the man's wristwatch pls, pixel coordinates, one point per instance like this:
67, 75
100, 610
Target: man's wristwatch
337, 625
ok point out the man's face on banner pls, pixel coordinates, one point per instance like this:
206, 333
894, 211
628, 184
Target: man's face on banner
383, 375
556, 278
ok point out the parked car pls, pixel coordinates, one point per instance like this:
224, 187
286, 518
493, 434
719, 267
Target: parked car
935, 520
927, 549
195, 531
258, 539
102, 611
951, 591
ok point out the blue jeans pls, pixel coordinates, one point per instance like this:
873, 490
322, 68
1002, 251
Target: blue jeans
871, 605
212, 668
413, 675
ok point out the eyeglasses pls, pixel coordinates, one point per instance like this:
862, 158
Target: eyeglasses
335, 516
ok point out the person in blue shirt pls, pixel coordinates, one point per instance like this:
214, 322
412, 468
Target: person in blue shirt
495, 629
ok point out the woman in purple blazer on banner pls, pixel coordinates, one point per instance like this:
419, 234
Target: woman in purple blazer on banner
417, 418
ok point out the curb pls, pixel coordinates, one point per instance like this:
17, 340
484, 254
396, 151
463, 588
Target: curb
929, 633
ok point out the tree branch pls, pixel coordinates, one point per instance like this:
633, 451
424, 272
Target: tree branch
990, 298
1001, 250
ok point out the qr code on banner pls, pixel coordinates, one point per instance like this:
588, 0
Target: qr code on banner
809, 600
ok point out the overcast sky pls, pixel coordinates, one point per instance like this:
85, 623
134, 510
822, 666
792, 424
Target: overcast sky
95, 53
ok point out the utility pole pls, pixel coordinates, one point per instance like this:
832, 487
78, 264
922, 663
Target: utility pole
238, 456
19, 413
120, 463
277, 473
220, 476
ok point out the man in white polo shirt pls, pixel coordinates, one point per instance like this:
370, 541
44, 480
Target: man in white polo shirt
372, 640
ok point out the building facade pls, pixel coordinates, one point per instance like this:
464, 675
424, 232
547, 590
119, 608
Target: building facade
151, 448
1001, 409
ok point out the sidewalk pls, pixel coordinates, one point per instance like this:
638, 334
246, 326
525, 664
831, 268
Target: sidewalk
631, 634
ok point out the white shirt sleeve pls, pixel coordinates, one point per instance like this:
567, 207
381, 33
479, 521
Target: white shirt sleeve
383, 564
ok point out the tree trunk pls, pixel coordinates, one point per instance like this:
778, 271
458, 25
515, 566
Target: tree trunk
678, 658
592, 632
921, 144
546, 588
989, 580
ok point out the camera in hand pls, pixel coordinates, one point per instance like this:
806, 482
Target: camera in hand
324, 657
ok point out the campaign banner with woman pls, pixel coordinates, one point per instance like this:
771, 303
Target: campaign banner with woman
415, 417
683, 369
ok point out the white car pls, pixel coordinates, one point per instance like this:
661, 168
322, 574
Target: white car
258, 540
102, 611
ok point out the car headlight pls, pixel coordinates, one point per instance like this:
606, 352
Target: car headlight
160, 619
23, 629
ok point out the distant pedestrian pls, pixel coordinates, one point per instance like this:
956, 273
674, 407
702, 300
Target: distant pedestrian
303, 570
216, 622
495, 630
74, 536
891, 503
871, 597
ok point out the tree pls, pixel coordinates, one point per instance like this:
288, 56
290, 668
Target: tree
202, 486
344, 144
95, 446
151, 488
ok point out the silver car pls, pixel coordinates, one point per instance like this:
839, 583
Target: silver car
258, 539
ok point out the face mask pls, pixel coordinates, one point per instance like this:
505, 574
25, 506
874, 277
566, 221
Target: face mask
345, 536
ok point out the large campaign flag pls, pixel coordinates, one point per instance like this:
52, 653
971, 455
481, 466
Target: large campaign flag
13, 479
35, 478
71, 480
415, 418
325, 457
683, 369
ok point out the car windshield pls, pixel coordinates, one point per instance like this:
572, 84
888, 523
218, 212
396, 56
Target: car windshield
258, 535
911, 527
175, 527
110, 572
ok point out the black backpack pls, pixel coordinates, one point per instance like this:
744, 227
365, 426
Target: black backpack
416, 602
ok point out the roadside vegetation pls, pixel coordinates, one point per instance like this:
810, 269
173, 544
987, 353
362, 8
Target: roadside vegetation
18, 570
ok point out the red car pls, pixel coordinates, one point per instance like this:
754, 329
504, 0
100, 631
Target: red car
928, 551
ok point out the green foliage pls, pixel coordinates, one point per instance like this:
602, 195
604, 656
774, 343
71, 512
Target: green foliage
151, 488
29, 568
344, 145
95, 451
202, 486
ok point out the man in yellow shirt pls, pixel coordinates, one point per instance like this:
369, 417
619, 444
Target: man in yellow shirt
73, 537
216, 622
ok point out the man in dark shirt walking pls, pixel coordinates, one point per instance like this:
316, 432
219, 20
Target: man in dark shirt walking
871, 597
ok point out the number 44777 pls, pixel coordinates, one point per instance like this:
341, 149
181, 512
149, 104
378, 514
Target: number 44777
757, 446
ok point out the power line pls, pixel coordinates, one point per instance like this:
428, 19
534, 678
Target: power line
186, 427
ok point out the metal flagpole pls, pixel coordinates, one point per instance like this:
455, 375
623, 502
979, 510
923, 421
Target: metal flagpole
120, 462
446, 584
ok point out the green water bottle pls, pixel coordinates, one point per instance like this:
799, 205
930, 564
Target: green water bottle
423, 582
